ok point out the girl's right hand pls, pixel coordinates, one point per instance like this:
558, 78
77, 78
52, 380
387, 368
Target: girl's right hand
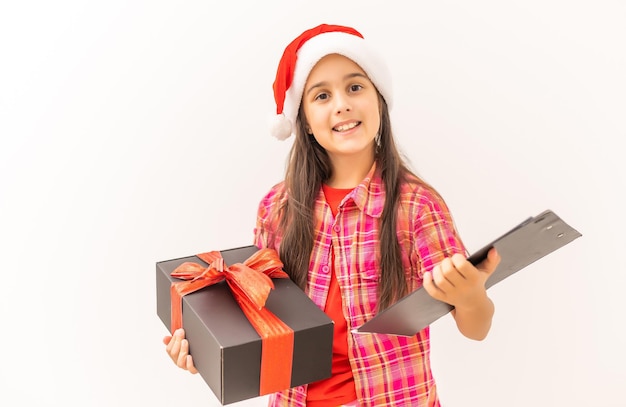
178, 350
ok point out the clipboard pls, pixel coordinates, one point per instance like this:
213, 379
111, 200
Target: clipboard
524, 244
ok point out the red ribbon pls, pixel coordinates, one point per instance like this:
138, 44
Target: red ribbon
250, 284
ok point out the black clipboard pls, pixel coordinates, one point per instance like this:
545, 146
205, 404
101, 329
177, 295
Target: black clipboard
524, 244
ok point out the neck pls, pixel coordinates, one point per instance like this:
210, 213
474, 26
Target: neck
348, 172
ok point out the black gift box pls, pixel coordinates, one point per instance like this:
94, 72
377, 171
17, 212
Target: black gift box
226, 349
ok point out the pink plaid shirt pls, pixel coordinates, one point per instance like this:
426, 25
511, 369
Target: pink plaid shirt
388, 370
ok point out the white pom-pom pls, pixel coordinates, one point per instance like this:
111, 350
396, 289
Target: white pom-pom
280, 127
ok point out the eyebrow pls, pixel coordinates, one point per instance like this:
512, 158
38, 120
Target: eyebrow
348, 76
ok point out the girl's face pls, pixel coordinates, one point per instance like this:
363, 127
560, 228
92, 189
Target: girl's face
341, 108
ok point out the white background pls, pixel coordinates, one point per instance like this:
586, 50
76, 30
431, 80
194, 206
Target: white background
136, 131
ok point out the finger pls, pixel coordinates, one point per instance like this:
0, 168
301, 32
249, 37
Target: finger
490, 264
427, 281
438, 284
173, 348
190, 366
494, 256
444, 273
166, 340
457, 270
182, 355
462, 266
430, 287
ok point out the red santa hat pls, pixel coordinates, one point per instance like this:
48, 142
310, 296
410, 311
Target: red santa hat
304, 52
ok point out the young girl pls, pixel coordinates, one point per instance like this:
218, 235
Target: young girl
356, 229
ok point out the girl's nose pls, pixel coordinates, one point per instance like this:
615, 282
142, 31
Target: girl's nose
342, 104
346, 108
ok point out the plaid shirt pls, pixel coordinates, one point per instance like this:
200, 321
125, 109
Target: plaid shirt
388, 370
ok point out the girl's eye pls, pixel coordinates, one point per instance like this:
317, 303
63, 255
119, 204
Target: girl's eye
321, 96
355, 88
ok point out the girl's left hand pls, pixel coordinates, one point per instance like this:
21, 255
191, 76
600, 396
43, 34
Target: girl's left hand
457, 282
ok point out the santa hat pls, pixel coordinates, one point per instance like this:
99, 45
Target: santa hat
304, 52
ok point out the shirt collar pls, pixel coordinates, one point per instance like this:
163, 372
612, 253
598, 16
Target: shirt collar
369, 195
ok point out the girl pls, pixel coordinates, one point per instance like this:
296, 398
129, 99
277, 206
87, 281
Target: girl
356, 229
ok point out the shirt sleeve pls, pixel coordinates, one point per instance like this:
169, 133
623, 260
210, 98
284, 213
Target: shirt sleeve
265, 231
260, 230
436, 236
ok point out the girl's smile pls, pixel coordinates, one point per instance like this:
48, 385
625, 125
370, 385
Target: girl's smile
343, 127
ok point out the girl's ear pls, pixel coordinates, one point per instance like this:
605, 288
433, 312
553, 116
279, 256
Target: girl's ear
308, 130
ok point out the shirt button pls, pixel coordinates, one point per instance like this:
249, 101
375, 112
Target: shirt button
337, 228
325, 269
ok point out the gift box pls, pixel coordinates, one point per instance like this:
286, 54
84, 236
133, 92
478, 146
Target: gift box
228, 350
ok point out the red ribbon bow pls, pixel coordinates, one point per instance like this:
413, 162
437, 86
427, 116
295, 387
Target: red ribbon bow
250, 284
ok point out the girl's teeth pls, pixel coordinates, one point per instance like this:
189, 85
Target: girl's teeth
346, 127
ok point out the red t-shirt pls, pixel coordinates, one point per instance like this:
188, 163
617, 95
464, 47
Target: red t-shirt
339, 388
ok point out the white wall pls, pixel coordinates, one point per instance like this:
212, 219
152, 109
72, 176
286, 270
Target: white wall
135, 131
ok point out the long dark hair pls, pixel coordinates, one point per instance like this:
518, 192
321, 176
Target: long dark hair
308, 166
